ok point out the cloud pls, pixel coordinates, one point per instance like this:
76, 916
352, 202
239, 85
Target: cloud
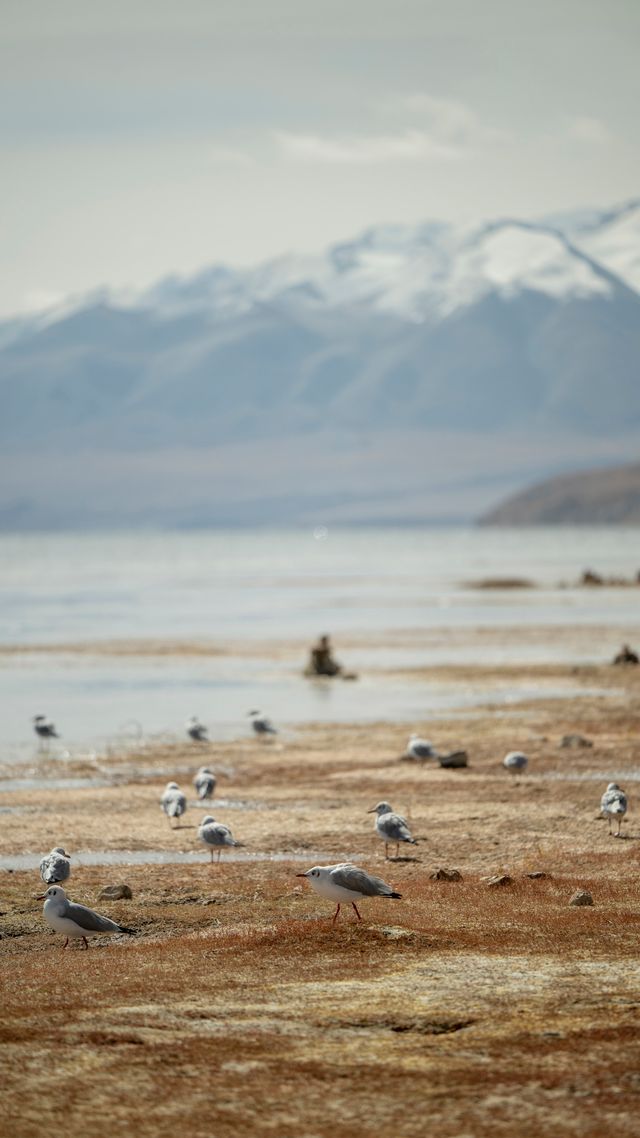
426, 128
587, 128
406, 146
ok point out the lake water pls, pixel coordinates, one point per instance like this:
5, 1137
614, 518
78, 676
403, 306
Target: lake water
252, 589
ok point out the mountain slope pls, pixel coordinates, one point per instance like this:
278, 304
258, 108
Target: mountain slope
219, 393
590, 497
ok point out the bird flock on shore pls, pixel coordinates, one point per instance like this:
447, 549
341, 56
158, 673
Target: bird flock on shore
344, 882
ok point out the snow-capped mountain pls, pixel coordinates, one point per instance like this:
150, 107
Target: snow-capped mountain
475, 357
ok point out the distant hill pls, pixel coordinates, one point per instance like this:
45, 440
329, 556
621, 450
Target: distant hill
414, 374
591, 497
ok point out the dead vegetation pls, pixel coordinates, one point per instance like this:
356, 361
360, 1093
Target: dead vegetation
240, 1010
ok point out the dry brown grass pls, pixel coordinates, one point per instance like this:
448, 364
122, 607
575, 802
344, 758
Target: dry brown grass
239, 1009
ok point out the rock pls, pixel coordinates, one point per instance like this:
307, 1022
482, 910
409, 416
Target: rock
574, 741
501, 879
454, 760
537, 875
581, 897
395, 932
115, 893
444, 874
626, 655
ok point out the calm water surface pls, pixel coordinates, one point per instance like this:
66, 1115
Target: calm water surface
264, 586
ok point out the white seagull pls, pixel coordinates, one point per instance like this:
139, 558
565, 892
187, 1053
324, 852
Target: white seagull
76, 921
205, 783
391, 827
515, 762
418, 748
613, 804
55, 866
173, 801
215, 835
196, 730
44, 728
346, 882
261, 725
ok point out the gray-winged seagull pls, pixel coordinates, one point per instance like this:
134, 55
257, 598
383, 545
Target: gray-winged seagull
613, 804
515, 762
418, 748
76, 921
215, 835
55, 866
173, 801
196, 730
261, 724
346, 882
391, 827
205, 783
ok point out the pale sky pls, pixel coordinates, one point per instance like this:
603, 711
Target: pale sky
142, 137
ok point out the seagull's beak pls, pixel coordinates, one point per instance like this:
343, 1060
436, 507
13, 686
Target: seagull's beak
372, 810
40, 896
301, 874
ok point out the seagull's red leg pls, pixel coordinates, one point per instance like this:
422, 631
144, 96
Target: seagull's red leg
386, 851
335, 915
219, 854
86, 942
356, 909
66, 943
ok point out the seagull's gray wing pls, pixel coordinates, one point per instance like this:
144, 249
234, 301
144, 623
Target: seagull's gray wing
88, 920
215, 834
352, 877
395, 828
421, 749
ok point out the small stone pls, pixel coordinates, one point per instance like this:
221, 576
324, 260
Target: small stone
574, 741
501, 879
454, 760
395, 932
444, 874
537, 875
581, 897
115, 893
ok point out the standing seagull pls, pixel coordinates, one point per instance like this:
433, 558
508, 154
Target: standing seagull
391, 827
44, 728
261, 725
173, 801
76, 921
55, 866
418, 748
346, 882
196, 730
215, 835
613, 804
515, 762
205, 783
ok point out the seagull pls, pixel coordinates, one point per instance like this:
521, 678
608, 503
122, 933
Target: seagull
196, 730
205, 783
215, 835
613, 804
261, 725
55, 866
173, 801
418, 748
391, 827
44, 728
515, 762
346, 882
76, 921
